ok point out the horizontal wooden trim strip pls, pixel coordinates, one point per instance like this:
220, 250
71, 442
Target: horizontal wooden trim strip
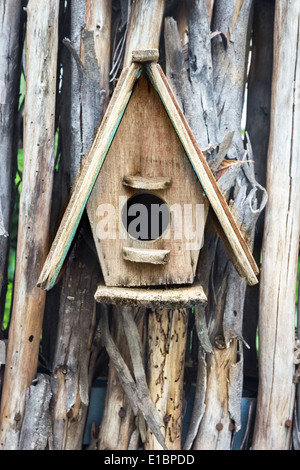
147, 182
171, 297
144, 255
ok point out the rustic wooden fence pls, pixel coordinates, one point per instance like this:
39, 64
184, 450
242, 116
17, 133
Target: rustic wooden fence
203, 364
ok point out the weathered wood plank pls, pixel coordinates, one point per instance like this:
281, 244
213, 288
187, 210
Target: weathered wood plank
70, 379
202, 100
191, 78
136, 390
281, 239
230, 67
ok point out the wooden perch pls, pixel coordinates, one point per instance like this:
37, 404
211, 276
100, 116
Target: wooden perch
147, 183
143, 56
141, 255
183, 297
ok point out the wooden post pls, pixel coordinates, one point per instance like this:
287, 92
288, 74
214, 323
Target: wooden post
219, 383
166, 343
118, 421
35, 203
258, 129
281, 240
197, 100
10, 14
75, 350
144, 27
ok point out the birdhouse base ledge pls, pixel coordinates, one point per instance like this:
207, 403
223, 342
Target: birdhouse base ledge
171, 297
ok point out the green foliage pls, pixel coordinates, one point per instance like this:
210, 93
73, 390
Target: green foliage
13, 239
15, 217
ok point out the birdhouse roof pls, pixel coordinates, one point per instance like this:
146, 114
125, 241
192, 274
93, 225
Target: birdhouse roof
228, 229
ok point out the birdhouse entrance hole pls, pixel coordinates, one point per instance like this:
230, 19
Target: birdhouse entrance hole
145, 217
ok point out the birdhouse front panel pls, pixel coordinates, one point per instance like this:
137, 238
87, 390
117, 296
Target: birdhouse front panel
147, 209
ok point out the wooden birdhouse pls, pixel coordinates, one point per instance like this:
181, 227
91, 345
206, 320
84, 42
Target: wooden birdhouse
147, 189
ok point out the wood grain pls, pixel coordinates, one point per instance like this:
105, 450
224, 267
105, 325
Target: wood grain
147, 146
166, 341
236, 241
144, 27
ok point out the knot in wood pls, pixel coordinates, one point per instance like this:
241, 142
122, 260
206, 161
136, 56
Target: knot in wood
18, 416
231, 427
296, 376
64, 370
219, 342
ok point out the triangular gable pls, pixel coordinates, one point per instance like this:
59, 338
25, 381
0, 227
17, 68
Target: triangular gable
92, 165
229, 231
